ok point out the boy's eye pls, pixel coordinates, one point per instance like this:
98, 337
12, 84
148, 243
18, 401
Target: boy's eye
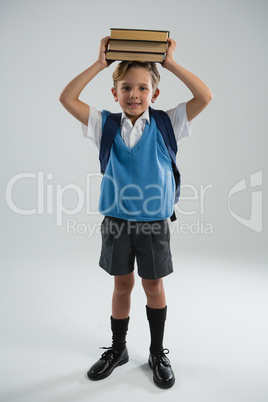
142, 88
126, 88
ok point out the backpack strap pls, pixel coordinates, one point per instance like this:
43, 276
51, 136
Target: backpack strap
109, 131
164, 124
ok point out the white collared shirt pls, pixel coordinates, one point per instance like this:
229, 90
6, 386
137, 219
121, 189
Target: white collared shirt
132, 134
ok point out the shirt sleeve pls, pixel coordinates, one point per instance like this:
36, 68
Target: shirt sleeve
93, 130
181, 125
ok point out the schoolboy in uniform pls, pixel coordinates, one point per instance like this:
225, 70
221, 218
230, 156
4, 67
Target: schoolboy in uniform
137, 195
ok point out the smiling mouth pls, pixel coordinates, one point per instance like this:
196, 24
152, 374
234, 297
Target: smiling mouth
133, 104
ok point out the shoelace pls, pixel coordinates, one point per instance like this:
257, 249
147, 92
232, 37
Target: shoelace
162, 357
109, 352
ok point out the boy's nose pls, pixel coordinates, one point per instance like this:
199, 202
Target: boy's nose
134, 94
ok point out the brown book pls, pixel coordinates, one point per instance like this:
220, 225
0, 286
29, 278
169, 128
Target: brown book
139, 34
137, 46
135, 56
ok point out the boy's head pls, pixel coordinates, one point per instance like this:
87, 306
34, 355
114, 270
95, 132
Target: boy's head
124, 66
135, 87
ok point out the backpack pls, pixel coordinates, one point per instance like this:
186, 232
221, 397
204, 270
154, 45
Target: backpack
163, 122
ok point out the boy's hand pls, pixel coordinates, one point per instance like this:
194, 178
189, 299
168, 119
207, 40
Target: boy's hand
103, 47
170, 52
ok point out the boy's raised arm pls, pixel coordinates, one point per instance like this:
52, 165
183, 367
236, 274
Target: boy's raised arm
70, 95
202, 94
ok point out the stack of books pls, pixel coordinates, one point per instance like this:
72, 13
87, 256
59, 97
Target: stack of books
137, 45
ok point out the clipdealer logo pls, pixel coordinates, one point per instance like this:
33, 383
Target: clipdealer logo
254, 222
50, 199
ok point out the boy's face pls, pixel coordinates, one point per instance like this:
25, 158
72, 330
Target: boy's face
135, 92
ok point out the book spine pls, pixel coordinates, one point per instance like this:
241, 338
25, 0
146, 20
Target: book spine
139, 34
125, 55
138, 40
142, 30
132, 51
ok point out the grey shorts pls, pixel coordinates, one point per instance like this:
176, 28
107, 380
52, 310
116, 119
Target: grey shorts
148, 242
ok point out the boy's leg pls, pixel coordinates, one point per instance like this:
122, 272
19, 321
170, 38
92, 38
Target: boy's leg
156, 313
123, 286
117, 354
121, 301
155, 293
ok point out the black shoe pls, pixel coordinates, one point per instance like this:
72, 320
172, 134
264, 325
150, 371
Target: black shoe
163, 374
107, 363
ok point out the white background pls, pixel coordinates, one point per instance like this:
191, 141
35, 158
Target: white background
55, 303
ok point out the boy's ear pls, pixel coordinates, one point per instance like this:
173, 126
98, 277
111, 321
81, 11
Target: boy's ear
114, 94
156, 94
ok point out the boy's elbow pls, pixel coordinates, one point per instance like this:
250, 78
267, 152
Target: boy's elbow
208, 97
62, 98
65, 101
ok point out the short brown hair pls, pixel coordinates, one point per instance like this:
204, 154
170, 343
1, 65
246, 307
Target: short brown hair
122, 68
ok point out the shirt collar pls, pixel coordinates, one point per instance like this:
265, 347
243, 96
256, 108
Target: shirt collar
145, 116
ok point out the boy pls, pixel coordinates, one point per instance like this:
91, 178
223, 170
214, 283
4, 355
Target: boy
137, 195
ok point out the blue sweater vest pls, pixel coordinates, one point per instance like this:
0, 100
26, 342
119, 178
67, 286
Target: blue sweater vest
138, 184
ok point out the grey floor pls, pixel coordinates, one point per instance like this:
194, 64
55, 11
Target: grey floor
55, 316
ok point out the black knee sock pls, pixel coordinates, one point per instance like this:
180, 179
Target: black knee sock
156, 318
119, 330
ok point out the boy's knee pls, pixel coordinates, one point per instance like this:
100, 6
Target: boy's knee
153, 288
123, 285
